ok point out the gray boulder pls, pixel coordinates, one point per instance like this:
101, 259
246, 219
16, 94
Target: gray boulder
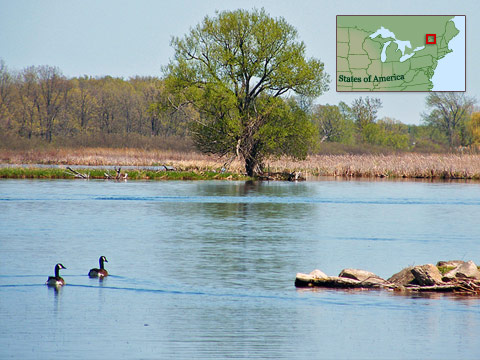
403, 278
360, 275
467, 270
450, 263
427, 275
318, 274
304, 280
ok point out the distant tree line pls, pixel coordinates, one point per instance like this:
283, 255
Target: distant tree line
40, 103
450, 123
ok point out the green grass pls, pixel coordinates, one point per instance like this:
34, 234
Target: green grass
445, 269
34, 173
55, 173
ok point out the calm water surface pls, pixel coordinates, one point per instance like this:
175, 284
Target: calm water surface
206, 269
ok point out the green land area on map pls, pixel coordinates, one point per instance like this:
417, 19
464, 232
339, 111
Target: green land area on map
390, 53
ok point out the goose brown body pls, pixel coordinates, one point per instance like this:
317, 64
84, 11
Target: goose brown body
93, 273
56, 280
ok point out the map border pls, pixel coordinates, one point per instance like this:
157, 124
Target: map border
394, 91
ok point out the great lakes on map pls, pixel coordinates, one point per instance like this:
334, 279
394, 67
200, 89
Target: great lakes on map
398, 52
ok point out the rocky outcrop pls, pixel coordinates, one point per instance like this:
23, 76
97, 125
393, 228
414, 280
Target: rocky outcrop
403, 278
467, 270
348, 278
338, 282
360, 275
302, 280
450, 263
317, 274
427, 275
463, 279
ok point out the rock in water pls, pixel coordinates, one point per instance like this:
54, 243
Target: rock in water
427, 275
318, 274
303, 280
467, 270
403, 278
450, 263
360, 275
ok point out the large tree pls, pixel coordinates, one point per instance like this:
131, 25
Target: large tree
332, 124
474, 128
6, 94
448, 113
364, 111
233, 70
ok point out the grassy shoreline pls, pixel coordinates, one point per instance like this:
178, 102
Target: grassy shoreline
63, 173
191, 165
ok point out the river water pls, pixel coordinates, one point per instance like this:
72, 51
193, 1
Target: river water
205, 270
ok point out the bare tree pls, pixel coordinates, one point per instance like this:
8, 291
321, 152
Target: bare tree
6, 95
6, 86
28, 98
53, 89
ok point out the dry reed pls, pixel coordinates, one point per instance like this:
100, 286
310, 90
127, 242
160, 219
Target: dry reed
405, 165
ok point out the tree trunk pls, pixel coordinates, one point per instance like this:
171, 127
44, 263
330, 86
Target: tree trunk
250, 165
450, 136
253, 161
253, 166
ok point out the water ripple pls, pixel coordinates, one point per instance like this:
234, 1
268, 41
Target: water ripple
252, 200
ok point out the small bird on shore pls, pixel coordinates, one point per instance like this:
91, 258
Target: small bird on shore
100, 273
56, 280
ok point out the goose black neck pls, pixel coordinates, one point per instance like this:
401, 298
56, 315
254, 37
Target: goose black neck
102, 266
57, 271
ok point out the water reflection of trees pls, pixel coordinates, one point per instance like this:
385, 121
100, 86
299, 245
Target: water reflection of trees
229, 231
254, 200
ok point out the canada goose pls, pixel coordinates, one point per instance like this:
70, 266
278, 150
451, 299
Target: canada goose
99, 272
56, 280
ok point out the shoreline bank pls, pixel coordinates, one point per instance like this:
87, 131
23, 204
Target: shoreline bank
199, 166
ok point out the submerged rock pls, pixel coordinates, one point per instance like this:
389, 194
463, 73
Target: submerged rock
427, 275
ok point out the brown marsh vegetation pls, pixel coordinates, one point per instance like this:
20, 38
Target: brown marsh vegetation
403, 165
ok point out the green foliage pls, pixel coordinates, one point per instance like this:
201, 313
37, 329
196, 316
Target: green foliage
445, 269
449, 113
473, 126
387, 132
348, 125
233, 69
288, 130
364, 111
427, 139
333, 124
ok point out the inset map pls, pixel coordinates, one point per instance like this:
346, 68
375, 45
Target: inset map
401, 53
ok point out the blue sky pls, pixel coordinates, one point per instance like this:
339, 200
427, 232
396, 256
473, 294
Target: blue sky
128, 38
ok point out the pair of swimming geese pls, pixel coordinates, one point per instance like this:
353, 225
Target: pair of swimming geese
57, 280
